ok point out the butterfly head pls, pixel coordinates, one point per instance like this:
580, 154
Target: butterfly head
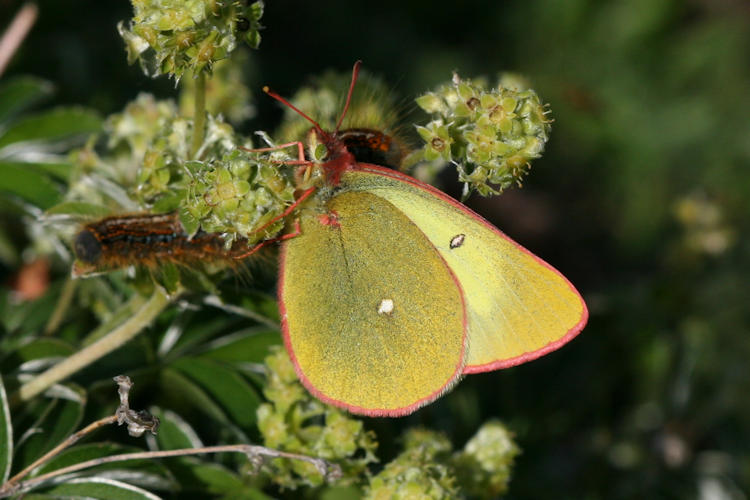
336, 157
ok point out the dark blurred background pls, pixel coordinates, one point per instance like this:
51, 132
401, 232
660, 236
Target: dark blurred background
641, 200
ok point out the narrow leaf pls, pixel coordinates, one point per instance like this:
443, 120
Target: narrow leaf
20, 93
55, 422
228, 387
180, 388
86, 452
59, 171
99, 488
54, 125
246, 346
175, 433
16, 178
208, 478
35, 349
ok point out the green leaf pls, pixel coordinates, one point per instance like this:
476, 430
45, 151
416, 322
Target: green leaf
6, 435
54, 422
180, 388
262, 303
30, 316
212, 479
41, 348
175, 433
168, 275
9, 255
247, 346
169, 202
228, 387
143, 472
340, 493
20, 93
83, 453
198, 332
189, 221
98, 488
18, 179
60, 171
57, 124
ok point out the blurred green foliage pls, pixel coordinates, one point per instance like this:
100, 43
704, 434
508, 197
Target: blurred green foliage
640, 199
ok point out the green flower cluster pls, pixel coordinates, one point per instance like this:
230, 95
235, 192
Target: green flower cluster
174, 36
484, 466
162, 174
490, 134
138, 124
429, 469
422, 470
237, 195
294, 421
148, 167
111, 180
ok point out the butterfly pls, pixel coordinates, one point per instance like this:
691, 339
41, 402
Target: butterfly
390, 290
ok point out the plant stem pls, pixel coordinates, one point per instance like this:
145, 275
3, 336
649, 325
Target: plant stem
199, 114
121, 315
72, 439
124, 414
114, 339
330, 471
63, 302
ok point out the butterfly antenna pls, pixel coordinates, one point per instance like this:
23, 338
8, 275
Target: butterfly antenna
290, 105
355, 74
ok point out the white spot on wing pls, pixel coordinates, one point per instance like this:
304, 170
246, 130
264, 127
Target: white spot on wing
457, 240
385, 307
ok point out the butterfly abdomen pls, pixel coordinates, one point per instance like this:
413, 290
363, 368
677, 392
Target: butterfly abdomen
373, 146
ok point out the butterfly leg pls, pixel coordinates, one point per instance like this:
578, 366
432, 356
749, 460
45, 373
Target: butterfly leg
300, 151
250, 251
305, 194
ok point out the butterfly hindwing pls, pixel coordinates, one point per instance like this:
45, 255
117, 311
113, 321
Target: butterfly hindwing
518, 307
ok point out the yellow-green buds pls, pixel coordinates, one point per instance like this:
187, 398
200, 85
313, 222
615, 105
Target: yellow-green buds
420, 471
484, 465
489, 134
429, 468
238, 195
173, 36
294, 421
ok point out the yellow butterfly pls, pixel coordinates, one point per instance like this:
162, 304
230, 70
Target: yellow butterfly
391, 290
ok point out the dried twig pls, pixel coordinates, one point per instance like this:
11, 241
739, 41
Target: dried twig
139, 422
255, 454
12, 485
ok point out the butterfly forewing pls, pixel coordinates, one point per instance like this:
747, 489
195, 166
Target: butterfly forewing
372, 314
